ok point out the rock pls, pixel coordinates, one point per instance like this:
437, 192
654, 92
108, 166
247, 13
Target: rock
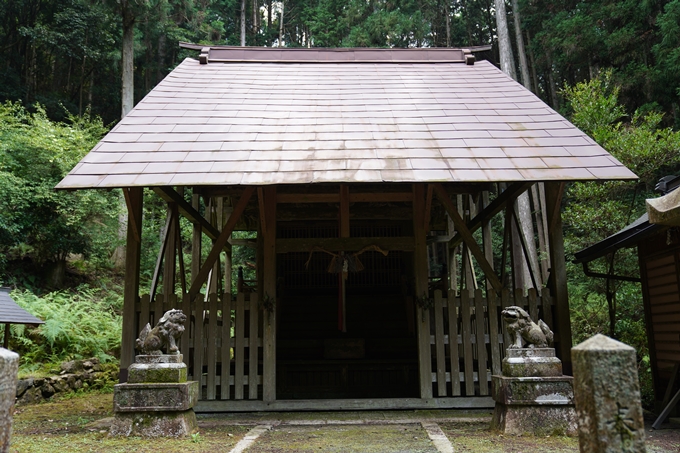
31, 396
47, 390
87, 365
23, 385
607, 396
60, 385
72, 366
9, 366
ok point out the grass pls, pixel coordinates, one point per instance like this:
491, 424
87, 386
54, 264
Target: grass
79, 422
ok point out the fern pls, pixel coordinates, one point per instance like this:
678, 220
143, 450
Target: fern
77, 325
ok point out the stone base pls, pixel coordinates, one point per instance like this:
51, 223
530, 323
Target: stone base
534, 405
531, 362
154, 424
536, 420
157, 372
155, 397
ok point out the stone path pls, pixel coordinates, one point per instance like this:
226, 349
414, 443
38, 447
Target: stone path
269, 426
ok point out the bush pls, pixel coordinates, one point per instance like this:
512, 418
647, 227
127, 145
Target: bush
77, 326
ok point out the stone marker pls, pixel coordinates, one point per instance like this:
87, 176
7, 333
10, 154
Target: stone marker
9, 365
607, 397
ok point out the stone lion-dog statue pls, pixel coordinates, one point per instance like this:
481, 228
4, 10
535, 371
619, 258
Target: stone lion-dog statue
524, 332
167, 331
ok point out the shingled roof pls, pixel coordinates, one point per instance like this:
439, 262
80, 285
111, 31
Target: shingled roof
243, 116
11, 313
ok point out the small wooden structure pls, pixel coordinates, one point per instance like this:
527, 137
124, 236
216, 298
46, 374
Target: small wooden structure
658, 247
11, 313
375, 180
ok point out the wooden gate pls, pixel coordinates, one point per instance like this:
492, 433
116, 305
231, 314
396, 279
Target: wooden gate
475, 323
222, 343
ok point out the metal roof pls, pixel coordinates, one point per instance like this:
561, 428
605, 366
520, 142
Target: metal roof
250, 117
11, 313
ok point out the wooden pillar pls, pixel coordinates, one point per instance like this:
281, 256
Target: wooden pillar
169, 270
268, 223
558, 272
196, 239
134, 200
420, 224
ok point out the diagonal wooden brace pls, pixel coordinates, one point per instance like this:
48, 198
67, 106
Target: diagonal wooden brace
171, 196
508, 195
467, 237
220, 242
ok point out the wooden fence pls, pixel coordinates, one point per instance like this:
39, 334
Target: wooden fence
464, 370
239, 364
481, 338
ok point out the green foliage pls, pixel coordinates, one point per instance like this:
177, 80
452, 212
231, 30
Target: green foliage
77, 325
596, 210
38, 222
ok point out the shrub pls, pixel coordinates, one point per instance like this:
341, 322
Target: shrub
77, 325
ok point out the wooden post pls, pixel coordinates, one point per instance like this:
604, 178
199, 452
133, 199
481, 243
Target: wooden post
558, 272
268, 213
195, 240
344, 233
134, 198
169, 271
420, 224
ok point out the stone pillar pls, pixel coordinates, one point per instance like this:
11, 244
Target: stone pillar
9, 365
607, 397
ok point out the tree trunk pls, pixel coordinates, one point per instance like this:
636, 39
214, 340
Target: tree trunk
521, 51
127, 102
527, 224
255, 15
447, 11
504, 45
269, 22
281, 26
243, 23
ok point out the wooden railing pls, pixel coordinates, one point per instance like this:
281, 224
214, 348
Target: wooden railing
480, 335
207, 333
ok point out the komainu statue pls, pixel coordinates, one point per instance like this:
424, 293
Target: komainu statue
168, 329
524, 332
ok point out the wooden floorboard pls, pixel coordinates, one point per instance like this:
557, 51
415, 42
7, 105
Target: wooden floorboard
344, 404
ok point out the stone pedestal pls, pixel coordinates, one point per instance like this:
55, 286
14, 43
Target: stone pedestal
607, 397
157, 400
9, 365
532, 396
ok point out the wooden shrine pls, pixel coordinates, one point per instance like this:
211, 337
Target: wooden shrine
381, 188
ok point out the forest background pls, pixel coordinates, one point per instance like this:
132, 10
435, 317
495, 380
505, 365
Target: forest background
611, 66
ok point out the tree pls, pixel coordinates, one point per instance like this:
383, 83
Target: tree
39, 224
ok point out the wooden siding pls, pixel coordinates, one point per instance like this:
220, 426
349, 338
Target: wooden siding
207, 329
475, 323
661, 285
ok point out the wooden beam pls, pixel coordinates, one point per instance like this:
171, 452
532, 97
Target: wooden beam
169, 262
220, 242
558, 271
428, 208
269, 292
161, 254
344, 244
344, 211
420, 266
358, 197
131, 292
136, 227
508, 195
467, 237
465, 402
196, 237
171, 196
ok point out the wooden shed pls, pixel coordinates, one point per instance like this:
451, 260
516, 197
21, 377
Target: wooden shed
657, 239
375, 180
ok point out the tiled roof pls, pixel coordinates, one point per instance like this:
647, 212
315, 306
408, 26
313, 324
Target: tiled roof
261, 122
11, 313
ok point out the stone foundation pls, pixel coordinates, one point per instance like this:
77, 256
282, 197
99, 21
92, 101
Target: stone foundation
532, 396
154, 424
157, 400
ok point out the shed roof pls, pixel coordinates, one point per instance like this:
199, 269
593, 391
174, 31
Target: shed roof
11, 313
296, 116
